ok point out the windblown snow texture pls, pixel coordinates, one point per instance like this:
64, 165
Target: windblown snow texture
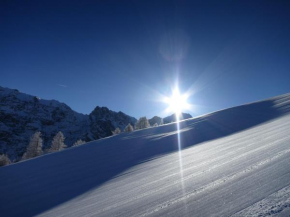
233, 162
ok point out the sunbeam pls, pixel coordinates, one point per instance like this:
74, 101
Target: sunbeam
178, 103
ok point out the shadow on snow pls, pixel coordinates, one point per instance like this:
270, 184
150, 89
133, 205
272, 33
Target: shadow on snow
38, 185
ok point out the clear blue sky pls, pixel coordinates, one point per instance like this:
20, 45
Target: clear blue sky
122, 54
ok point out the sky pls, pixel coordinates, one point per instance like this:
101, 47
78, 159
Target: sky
128, 55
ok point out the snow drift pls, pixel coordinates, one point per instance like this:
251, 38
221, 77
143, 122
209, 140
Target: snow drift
233, 162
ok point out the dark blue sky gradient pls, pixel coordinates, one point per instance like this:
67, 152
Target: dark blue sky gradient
121, 54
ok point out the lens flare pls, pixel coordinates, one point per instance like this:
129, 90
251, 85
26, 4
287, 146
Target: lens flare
177, 102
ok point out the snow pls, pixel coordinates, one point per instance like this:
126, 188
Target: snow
233, 162
277, 204
21, 115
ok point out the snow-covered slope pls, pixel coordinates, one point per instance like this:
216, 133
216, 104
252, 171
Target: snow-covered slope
233, 162
21, 115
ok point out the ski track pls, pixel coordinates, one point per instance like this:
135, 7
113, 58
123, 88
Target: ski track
154, 187
177, 182
172, 172
214, 184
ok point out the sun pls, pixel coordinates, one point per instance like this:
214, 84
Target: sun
177, 102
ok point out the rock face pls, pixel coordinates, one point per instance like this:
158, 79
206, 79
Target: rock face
172, 118
21, 115
103, 121
154, 120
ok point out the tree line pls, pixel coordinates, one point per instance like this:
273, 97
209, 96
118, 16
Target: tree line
35, 148
142, 123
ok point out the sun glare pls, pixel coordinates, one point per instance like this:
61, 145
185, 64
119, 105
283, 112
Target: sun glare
177, 102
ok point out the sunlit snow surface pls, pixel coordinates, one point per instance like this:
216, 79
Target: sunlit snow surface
234, 162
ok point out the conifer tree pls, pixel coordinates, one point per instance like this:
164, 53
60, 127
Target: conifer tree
34, 148
116, 131
4, 160
128, 128
57, 143
79, 142
142, 123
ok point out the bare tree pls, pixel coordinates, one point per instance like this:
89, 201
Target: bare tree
116, 131
129, 128
79, 142
4, 160
57, 143
34, 148
142, 123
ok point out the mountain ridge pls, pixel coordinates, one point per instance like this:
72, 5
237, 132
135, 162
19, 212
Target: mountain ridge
22, 115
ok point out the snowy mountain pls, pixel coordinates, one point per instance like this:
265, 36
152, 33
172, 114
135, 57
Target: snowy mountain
21, 115
103, 121
172, 118
234, 162
154, 120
